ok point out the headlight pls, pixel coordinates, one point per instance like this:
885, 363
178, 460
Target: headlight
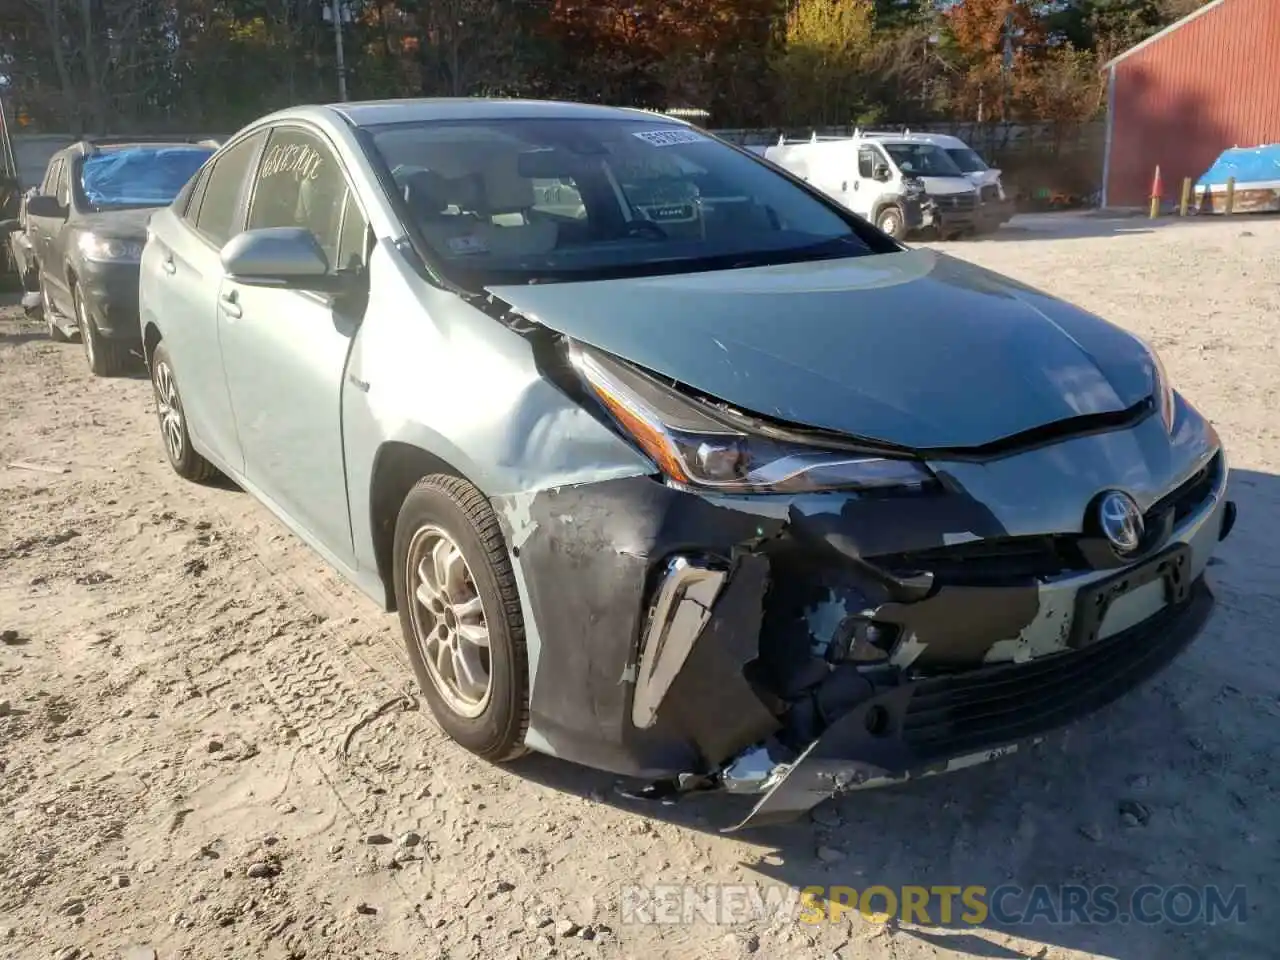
109, 248
913, 187
697, 447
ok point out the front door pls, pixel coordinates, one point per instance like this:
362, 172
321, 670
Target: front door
866, 188
285, 351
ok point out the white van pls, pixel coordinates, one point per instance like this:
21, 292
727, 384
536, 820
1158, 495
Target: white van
994, 206
880, 175
857, 174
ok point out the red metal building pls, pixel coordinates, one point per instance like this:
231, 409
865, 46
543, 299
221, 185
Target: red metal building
1209, 82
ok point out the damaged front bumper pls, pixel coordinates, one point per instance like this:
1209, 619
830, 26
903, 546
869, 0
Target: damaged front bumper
943, 723
800, 647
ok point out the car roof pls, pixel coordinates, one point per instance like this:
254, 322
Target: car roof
90, 146
371, 113
942, 140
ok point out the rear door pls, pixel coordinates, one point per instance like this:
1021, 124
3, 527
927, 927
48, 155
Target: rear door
286, 350
59, 237
181, 273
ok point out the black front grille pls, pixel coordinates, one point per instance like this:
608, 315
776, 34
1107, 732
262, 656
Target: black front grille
955, 201
965, 712
988, 562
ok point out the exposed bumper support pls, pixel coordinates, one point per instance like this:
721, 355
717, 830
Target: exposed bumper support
689, 588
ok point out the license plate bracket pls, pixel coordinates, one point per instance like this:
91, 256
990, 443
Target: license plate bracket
1173, 567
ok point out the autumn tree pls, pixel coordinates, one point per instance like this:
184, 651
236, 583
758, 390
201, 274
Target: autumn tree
659, 53
993, 45
820, 65
1064, 88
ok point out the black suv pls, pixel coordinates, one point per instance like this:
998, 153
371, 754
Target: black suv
86, 225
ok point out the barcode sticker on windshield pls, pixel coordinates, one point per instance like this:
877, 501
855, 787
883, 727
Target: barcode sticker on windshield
668, 137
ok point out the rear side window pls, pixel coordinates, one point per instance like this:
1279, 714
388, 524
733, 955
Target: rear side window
63, 189
218, 216
189, 200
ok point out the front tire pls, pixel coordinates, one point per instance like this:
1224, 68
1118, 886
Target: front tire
107, 358
460, 614
890, 220
178, 451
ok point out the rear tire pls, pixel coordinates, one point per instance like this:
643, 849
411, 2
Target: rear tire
890, 220
453, 580
178, 451
107, 358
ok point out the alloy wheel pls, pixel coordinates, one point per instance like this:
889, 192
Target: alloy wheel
169, 410
449, 625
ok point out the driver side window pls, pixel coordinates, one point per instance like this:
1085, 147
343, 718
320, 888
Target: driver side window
867, 159
300, 184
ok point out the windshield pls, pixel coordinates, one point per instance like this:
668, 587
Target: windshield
922, 160
138, 176
966, 160
521, 201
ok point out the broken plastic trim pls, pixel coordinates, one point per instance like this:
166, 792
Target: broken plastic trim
755, 770
683, 606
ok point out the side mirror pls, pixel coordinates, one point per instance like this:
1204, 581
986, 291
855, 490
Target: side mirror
43, 205
288, 257
881, 173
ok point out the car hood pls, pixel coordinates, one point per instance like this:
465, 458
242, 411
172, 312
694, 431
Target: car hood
916, 348
130, 224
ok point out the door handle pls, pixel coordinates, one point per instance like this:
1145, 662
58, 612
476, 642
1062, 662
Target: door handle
169, 266
230, 305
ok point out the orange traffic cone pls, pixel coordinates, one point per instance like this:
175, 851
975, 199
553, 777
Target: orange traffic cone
1157, 193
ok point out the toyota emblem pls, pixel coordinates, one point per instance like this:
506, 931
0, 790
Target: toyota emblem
1121, 521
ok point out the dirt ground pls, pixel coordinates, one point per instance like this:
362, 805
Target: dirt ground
209, 746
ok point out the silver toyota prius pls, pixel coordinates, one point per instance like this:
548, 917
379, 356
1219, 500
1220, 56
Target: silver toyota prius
668, 464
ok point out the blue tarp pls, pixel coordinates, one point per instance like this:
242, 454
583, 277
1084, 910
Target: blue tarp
140, 176
1246, 164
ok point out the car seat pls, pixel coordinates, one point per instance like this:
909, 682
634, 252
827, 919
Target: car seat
443, 209
506, 228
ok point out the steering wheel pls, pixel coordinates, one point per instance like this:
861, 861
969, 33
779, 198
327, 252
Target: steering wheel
645, 228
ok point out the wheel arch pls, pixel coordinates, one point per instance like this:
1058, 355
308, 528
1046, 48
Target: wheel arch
397, 467
150, 340
882, 204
